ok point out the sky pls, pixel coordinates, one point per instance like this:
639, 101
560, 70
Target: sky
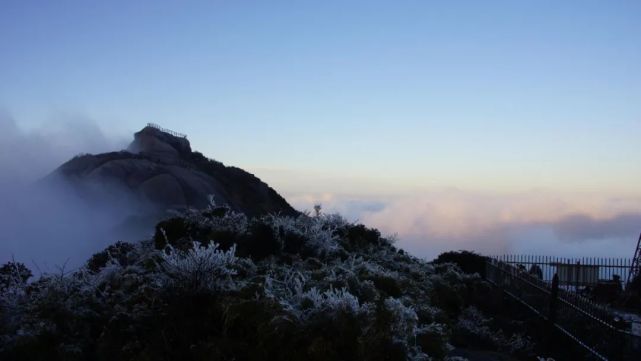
490, 125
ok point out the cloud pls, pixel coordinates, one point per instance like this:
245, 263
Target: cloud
45, 224
53, 225
27, 155
350, 207
428, 223
579, 227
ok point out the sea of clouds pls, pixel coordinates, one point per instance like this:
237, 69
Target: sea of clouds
427, 223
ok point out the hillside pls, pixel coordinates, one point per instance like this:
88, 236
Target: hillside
214, 284
237, 274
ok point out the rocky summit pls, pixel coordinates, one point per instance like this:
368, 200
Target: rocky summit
160, 170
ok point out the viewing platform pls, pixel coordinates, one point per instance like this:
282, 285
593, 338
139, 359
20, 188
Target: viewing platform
168, 131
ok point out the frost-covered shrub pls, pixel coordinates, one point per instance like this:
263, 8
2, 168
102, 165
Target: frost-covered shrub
433, 339
220, 219
469, 262
212, 284
358, 236
290, 291
219, 223
387, 284
56, 314
332, 301
260, 241
404, 319
120, 252
473, 330
518, 344
450, 289
318, 233
200, 268
384, 279
13, 283
170, 231
13, 274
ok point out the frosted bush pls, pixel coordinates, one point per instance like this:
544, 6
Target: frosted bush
318, 232
416, 354
289, 292
333, 300
11, 292
404, 319
202, 268
13, 274
368, 267
473, 322
107, 273
287, 288
13, 283
70, 295
333, 220
329, 289
12, 299
518, 343
434, 329
231, 221
320, 235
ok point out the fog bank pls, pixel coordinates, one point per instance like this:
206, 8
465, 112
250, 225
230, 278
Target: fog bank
44, 224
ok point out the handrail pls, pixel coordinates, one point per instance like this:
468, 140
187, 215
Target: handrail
578, 313
168, 131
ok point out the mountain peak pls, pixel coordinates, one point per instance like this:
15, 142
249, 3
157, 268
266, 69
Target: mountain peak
159, 168
158, 142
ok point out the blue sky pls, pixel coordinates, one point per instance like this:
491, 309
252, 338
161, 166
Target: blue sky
350, 97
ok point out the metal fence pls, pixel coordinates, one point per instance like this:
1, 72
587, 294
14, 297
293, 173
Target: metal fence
168, 131
574, 273
591, 325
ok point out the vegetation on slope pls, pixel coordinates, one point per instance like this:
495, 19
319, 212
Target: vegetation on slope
215, 285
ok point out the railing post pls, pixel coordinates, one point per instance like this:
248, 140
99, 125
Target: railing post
552, 313
554, 299
577, 276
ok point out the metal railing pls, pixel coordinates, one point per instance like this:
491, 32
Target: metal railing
168, 131
576, 273
594, 327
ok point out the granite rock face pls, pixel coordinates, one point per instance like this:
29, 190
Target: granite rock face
160, 170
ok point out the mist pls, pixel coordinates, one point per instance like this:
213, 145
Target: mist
43, 223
